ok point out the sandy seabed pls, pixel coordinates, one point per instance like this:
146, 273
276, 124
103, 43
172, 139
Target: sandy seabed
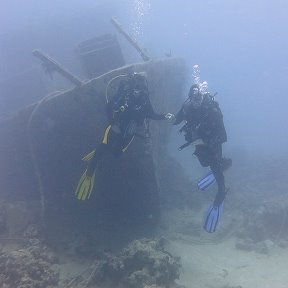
221, 265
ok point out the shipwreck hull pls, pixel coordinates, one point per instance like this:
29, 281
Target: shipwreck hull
42, 146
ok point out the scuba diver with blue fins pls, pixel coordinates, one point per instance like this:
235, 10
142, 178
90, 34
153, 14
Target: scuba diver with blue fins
128, 109
204, 127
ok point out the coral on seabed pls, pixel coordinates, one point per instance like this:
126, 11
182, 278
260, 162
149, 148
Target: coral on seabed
144, 263
31, 267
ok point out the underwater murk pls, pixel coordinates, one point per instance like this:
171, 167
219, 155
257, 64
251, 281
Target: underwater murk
141, 225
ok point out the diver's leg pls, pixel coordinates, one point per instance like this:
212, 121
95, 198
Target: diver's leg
114, 143
203, 154
226, 163
119, 140
100, 151
217, 169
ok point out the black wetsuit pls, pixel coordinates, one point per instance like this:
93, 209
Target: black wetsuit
126, 111
206, 123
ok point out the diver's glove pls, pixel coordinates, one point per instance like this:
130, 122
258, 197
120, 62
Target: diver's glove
170, 117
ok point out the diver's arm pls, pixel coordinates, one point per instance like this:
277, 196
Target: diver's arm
179, 117
151, 113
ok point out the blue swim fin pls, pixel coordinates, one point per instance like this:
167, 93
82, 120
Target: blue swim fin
212, 218
206, 181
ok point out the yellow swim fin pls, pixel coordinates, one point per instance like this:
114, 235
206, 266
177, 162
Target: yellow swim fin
85, 186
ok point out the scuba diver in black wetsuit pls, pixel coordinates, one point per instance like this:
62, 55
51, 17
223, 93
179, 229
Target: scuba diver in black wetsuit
204, 121
127, 110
